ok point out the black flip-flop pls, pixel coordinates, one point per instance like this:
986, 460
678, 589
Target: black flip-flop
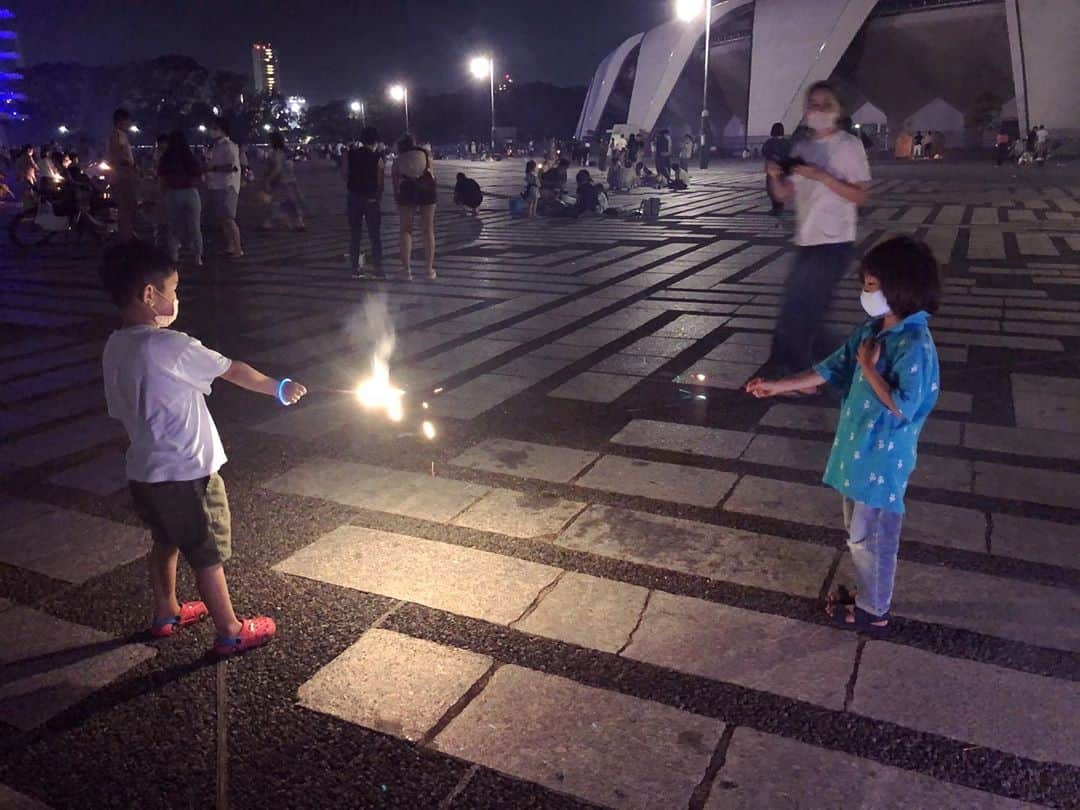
863, 622
841, 596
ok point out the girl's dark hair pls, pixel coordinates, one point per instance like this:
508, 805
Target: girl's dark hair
828, 87
178, 157
777, 130
277, 140
908, 274
530, 166
222, 123
126, 269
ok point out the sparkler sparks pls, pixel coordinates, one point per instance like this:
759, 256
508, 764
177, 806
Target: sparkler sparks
428, 429
376, 393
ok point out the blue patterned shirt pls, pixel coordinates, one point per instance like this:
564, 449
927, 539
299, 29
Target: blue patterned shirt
874, 451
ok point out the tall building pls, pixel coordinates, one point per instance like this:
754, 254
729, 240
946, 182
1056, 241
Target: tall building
11, 96
264, 66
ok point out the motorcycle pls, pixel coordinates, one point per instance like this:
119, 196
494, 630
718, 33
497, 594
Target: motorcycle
79, 207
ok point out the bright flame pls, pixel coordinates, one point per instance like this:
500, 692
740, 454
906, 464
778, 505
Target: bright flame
377, 394
429, 430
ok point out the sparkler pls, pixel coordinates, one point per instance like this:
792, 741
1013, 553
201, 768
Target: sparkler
376, 393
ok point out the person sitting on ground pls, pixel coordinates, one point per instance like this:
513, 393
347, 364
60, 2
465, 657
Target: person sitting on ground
588, 195
679, 182
531, 194
467, 192
889, 377
156, 383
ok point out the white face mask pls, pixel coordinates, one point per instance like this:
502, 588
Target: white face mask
821, 121
165, 321
874, 303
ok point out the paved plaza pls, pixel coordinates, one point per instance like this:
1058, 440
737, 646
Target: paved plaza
601, 582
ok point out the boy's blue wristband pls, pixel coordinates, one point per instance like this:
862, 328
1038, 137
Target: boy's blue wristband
281, 390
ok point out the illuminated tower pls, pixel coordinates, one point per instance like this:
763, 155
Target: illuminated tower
12, 98
264, 66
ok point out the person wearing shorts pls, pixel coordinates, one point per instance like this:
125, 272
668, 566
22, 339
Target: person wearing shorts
415, 194
223, 185
156, 383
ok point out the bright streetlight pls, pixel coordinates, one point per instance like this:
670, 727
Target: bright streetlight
687, 11
267, 127
357, 109
133, 129
400, 94
355, 106
63, 130
483, 67
217, 111
202, 127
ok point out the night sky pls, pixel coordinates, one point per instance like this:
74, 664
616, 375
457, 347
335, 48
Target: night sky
347, 47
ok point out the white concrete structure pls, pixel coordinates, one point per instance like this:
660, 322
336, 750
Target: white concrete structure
955, 65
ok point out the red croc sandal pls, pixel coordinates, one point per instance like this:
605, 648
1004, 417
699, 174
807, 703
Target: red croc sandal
190, 612
254, 632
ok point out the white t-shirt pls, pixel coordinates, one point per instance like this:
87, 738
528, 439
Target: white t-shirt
224, 153
1042, 135
822, 216
156, 382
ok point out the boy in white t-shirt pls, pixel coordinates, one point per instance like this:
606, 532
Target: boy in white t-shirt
156, 382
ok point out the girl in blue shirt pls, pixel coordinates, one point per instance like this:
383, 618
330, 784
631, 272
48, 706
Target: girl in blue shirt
888, 374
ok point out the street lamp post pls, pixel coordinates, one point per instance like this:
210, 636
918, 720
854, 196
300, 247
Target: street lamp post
400, 94
481, 67
357, 108
687, 10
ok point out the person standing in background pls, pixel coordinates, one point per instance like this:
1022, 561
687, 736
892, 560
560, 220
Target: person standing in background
179, 172
832, 181
775, 150
364, 172
123, 166
223, 184
663, 154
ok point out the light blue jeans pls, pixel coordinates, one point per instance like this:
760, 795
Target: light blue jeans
184, 209
873, 540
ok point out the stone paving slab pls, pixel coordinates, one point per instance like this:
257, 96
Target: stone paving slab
64, 440
1006, 608
50, 664
519, 514
1023, 441
823, 420
1026, 484
526, 459
16, 511
479, 395
979, 703
588, 611
102, 475
1046, 403
602, 746
13, 800
592, 386
716, 552
309, 420
718, 374
1036, 540
466, 581
652, 479
679, 438
379, 488
766, 771
393, 683
72, 546
757, 650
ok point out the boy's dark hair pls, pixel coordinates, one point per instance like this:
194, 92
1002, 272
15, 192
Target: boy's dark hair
530, 166
120, 115
222, 123
277, 140
369, 136
126, 270
908, 274
777, 130
460, 176
583, 176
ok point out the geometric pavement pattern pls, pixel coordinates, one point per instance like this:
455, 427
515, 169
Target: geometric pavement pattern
600, 583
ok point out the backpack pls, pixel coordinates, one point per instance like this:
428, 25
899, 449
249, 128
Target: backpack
601, 200
650, 207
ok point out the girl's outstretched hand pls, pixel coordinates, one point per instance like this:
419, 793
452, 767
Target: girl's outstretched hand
762, 388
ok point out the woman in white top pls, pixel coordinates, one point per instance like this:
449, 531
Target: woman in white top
829, 178
415, 194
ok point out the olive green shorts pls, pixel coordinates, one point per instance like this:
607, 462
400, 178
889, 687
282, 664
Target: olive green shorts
193, 516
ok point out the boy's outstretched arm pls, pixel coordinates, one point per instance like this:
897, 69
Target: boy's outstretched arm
764, 388
243, 375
